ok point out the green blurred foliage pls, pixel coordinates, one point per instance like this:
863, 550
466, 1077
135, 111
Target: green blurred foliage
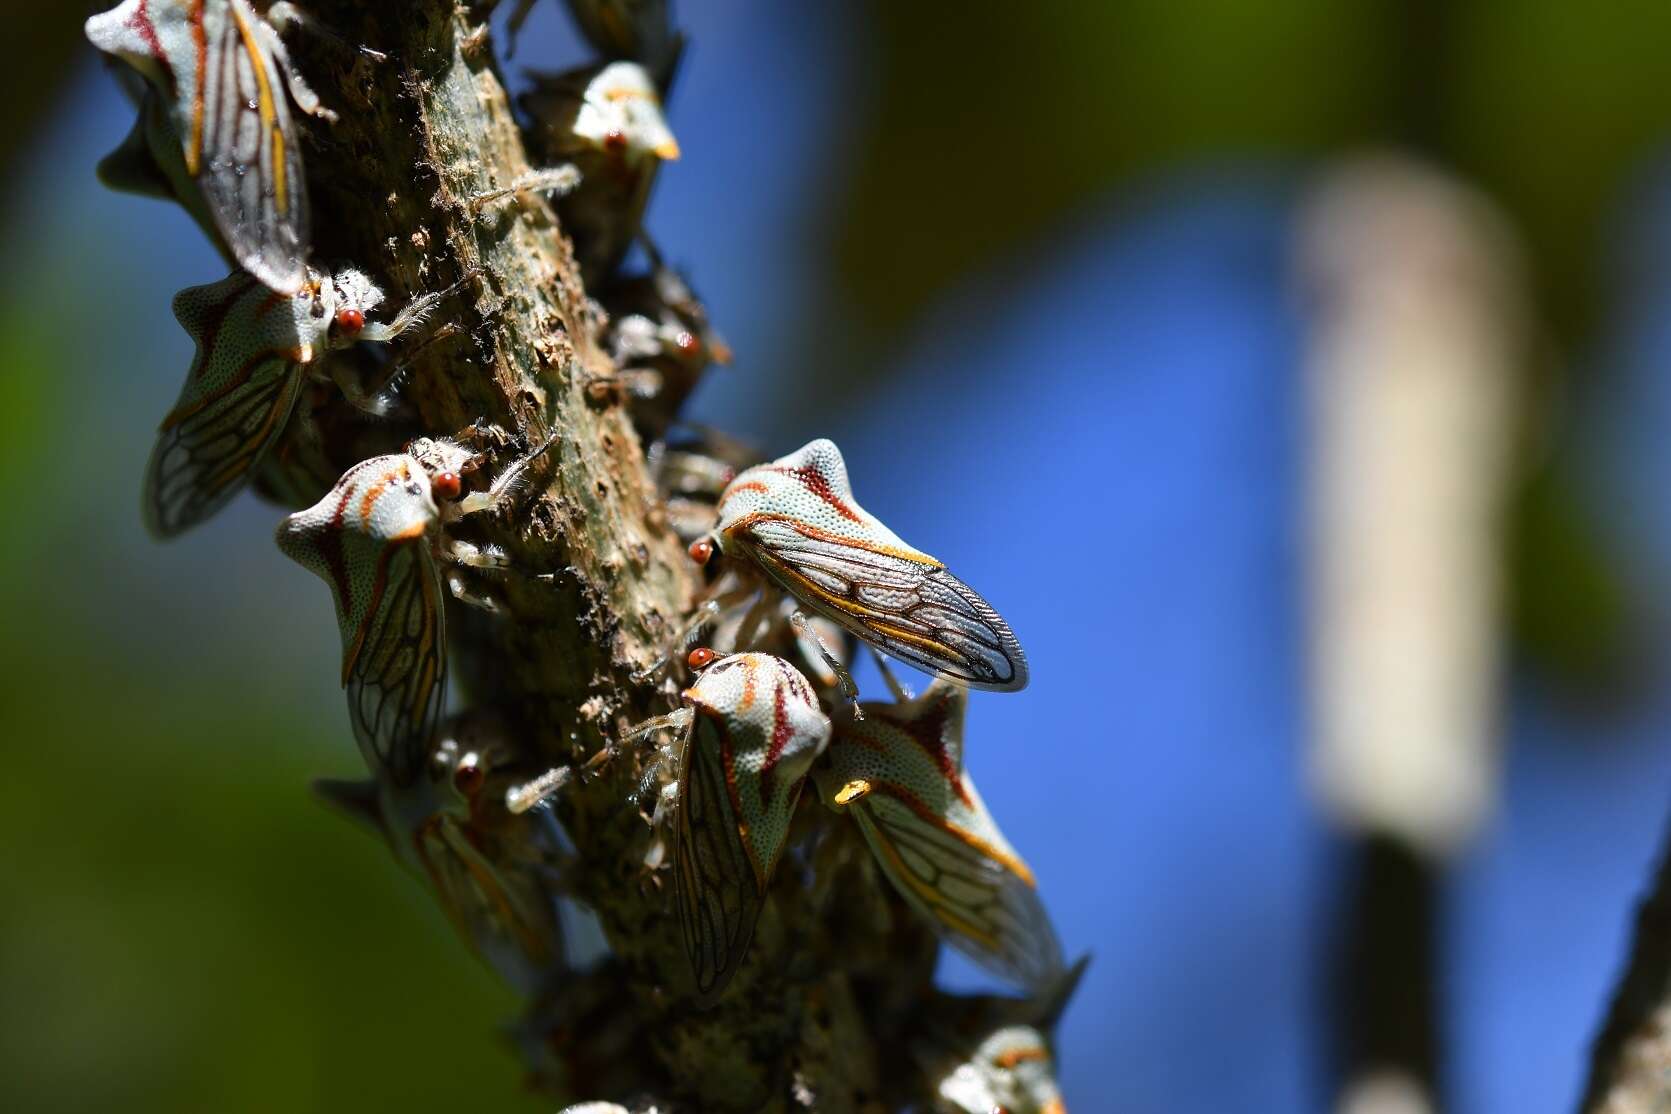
990, 124
988, 121
182, 926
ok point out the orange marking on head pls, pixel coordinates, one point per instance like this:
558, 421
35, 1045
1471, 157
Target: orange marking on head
751, 485
1020, 1056
375, 491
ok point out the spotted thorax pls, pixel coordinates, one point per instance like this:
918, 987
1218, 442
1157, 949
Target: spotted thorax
796, 521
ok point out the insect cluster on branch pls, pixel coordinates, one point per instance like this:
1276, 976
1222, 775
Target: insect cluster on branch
799, 574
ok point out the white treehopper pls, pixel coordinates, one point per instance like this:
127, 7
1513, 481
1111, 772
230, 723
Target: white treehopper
607, 121
381, 540
748, 732
494, 874
1011, 1070
222, 70
899, 773
254, 350
796, 522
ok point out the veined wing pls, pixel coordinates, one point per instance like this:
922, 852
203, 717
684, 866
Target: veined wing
242, 146
905, 606
394, 667
714, 879
980, 904
212, 440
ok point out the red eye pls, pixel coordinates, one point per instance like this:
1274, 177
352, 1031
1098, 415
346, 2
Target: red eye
687, 344
615, 142
701, 658
701, 551
350, 320
468, 775
447, 486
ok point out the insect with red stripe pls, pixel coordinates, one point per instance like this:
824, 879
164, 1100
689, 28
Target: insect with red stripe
748, 732
607, 121
898, 772
221, 70
795, 522
255, 349
492, 872
988, 1052
382, 539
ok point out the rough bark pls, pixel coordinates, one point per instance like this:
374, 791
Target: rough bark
421, 131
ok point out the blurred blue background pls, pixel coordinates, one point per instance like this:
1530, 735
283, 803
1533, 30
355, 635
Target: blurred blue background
1071, 368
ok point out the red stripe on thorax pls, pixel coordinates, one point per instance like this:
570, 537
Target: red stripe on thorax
781, 730
928, 731
140, 22
814, 481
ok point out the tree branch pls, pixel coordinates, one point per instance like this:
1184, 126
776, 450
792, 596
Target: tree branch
422, 131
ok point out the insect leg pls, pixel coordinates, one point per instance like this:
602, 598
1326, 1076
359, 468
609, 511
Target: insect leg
285, 14
509, 487
557, 180
757, 622
900, 692
849, 690
521, 798
462, 592
416, 311
706, 612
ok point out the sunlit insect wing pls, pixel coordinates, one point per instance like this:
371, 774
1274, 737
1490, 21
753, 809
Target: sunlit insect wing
214, 61
796, 518
242, 386
899, 773
369, 540
756, 730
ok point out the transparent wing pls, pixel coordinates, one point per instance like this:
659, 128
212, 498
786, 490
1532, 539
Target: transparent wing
979, 906
251, 168
916, 612
714, 881
396, 665
211, 441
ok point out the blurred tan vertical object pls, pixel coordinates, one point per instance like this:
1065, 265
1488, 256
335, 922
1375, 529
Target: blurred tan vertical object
1417, 317
1416, 343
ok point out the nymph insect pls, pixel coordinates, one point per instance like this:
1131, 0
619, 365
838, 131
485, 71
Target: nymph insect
381, 539
254, 350
222, 69
659, 328
795, 521
899, 773
608, 122
493, 873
